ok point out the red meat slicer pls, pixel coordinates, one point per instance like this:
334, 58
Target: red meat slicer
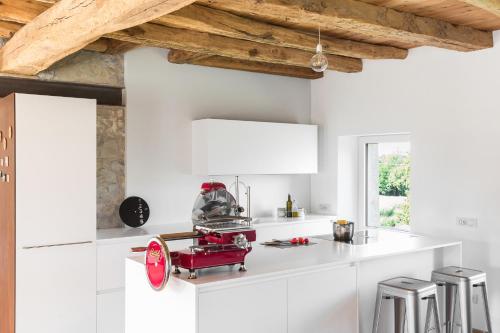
221, 237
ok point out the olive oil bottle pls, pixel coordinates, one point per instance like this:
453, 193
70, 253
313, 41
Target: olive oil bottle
289, 206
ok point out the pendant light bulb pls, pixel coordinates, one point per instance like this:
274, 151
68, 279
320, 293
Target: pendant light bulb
319, 63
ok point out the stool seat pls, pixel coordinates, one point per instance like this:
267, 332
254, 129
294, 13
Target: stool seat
454, 273
409, 285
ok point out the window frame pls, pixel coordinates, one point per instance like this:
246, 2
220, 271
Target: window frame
363, 142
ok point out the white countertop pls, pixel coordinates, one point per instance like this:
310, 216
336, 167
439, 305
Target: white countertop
268, 261
113, 235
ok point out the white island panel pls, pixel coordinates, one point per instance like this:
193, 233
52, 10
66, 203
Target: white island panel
323, 302
223, 311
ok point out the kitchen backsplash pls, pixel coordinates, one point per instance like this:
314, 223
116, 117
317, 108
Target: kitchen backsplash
110, 165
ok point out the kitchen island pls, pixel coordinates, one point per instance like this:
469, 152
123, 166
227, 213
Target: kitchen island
324, 287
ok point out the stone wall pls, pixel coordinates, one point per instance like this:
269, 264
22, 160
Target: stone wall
83, 67
110, 165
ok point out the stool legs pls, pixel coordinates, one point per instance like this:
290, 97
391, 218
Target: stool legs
463, 292
378, 305
399, 315
486, 306
412, 315
465, 297
451, 299
432, 306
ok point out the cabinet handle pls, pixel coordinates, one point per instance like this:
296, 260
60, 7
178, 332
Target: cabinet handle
54, 245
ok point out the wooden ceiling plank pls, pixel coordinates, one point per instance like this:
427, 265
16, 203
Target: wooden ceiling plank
21, 11
205, 19
156, 35
69, 25
370, 21
491, 6
185, 57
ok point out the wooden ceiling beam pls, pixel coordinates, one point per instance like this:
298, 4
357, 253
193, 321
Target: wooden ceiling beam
156, 35
103, 45
70, 25
205, 19
185, 57
363, 19
492, 6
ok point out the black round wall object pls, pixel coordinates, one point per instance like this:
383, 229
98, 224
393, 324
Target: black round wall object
134, 212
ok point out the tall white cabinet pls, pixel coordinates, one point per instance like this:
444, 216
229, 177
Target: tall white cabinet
51, 153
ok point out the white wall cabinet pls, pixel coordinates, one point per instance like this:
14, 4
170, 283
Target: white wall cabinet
231, 147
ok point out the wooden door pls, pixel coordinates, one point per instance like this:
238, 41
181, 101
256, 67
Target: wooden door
7, 214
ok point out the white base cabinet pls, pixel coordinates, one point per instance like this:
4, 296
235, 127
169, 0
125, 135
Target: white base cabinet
55, 288
111, 312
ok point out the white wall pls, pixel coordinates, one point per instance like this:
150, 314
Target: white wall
163, 99
449, 102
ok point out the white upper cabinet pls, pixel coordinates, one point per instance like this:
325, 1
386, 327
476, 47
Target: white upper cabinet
56, 170
231, 147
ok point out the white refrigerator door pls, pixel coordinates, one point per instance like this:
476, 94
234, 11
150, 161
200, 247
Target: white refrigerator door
56, 289
56, 170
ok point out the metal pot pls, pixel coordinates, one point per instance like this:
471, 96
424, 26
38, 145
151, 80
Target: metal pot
343, 232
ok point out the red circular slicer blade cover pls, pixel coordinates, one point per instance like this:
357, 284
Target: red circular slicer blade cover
158, 265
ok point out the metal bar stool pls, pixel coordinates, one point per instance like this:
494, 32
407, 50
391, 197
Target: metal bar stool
407, 294
459, 283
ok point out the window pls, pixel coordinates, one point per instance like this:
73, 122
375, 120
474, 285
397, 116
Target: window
385, 181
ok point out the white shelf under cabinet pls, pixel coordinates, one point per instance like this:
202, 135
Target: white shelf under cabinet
231, 147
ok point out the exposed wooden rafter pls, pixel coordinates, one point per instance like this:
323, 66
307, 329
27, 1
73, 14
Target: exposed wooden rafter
70, 25
362, 20
268, 36
185, 57
205, 19
151, 34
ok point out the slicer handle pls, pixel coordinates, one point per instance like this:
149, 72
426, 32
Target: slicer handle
180, 236
138, 249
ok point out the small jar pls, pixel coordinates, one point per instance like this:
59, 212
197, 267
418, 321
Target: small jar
343, 231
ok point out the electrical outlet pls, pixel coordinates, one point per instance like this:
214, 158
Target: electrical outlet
471, 222
324, 207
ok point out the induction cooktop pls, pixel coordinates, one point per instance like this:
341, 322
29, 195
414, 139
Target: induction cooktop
360, 237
